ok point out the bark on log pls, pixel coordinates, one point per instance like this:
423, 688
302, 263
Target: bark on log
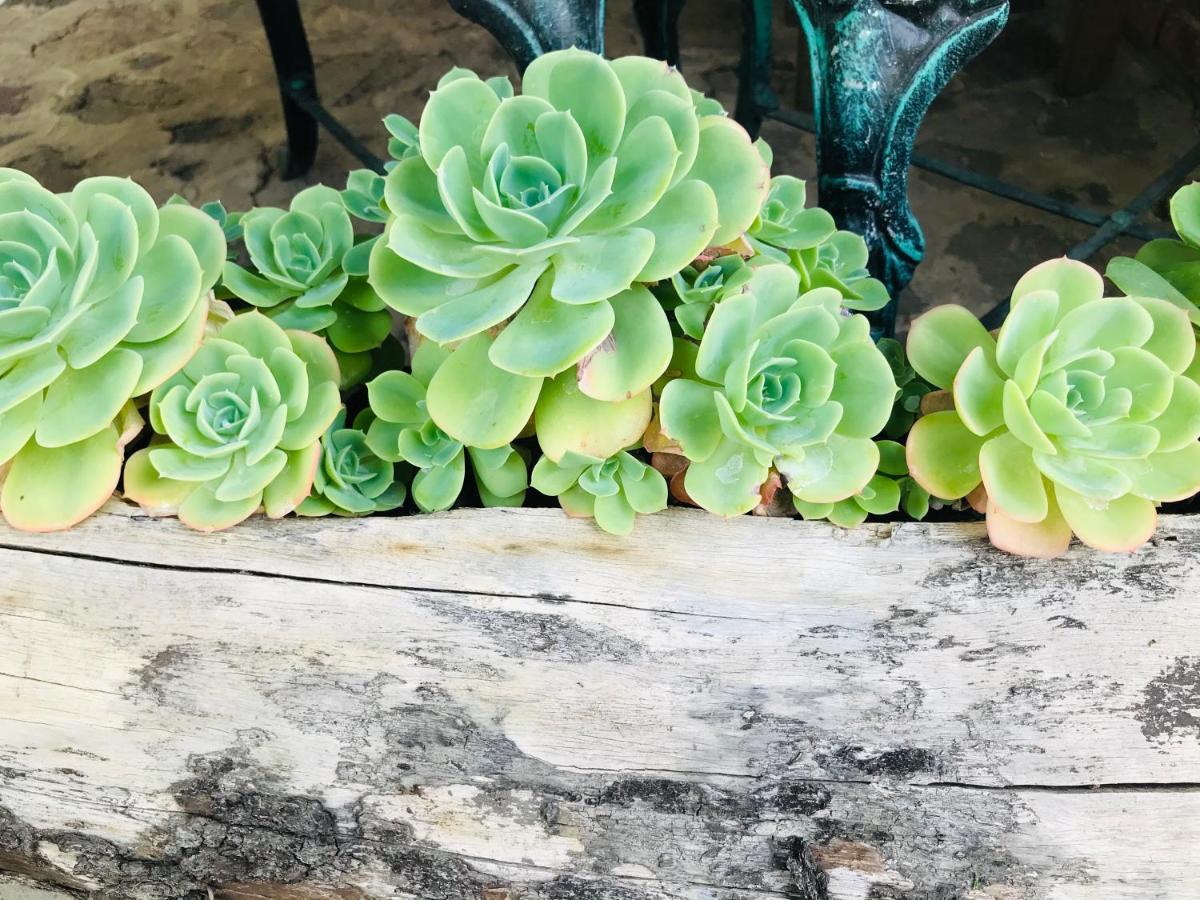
508, 705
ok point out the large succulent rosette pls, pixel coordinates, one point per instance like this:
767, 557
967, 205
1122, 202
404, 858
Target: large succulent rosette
548, 208
782, 380
240, 427
103, 296
1076, 417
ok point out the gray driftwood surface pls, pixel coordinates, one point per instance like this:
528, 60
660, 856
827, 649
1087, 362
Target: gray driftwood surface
507, 705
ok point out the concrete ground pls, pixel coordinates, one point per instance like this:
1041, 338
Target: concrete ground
180, 95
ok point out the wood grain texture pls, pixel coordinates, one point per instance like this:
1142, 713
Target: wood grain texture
508, 705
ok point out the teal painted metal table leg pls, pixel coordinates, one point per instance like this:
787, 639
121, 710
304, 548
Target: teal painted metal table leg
529, 28
877, 65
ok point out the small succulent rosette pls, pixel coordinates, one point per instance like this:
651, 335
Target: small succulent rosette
585, 462
103, 296
784, 224
889, 490
781, 380
403, 430
1076, 417
1168, 269
701, 284
351, 480
309, 275
612, 491
550, 208
808, 240
240, 427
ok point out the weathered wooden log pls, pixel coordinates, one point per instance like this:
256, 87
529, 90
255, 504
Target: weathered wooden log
508, 705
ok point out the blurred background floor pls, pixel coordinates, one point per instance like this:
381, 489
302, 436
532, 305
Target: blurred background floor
181, 95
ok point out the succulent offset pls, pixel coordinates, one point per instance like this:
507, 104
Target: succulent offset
240, 426
1076, 417
781, 380
548, 208
1166, 268
350, 479
303, 260
102, 297
808, 240
612, 491
404, 431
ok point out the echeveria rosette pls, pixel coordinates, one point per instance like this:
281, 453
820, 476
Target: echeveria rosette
102, 297
241, 426
699, 287
1166, 268
780, 380
544, 207
404, 431
888, 490
350, 479
1076, 417
363, 196
784, 224
613, 491
808, 240
303, 260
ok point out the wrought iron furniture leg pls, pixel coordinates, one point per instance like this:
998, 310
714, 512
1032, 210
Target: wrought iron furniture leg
294, 68
529, 28
877, 65
659, 24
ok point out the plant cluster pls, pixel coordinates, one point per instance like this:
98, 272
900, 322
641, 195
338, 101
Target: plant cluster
591, 291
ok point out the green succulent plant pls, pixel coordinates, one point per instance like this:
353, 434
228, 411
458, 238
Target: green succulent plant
404, 431
889, 489
363, 196
1168, 269
241, 425
840, 262
1075, 417
612, 491
304, 259
784, 224
549, 208
808, 240
103, 296
350, 479
781, 379
699, 287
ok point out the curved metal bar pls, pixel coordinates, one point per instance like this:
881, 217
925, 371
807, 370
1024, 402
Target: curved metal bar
529, 28
294, 70
877, 65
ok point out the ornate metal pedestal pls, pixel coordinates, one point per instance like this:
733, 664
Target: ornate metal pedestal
876, 67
